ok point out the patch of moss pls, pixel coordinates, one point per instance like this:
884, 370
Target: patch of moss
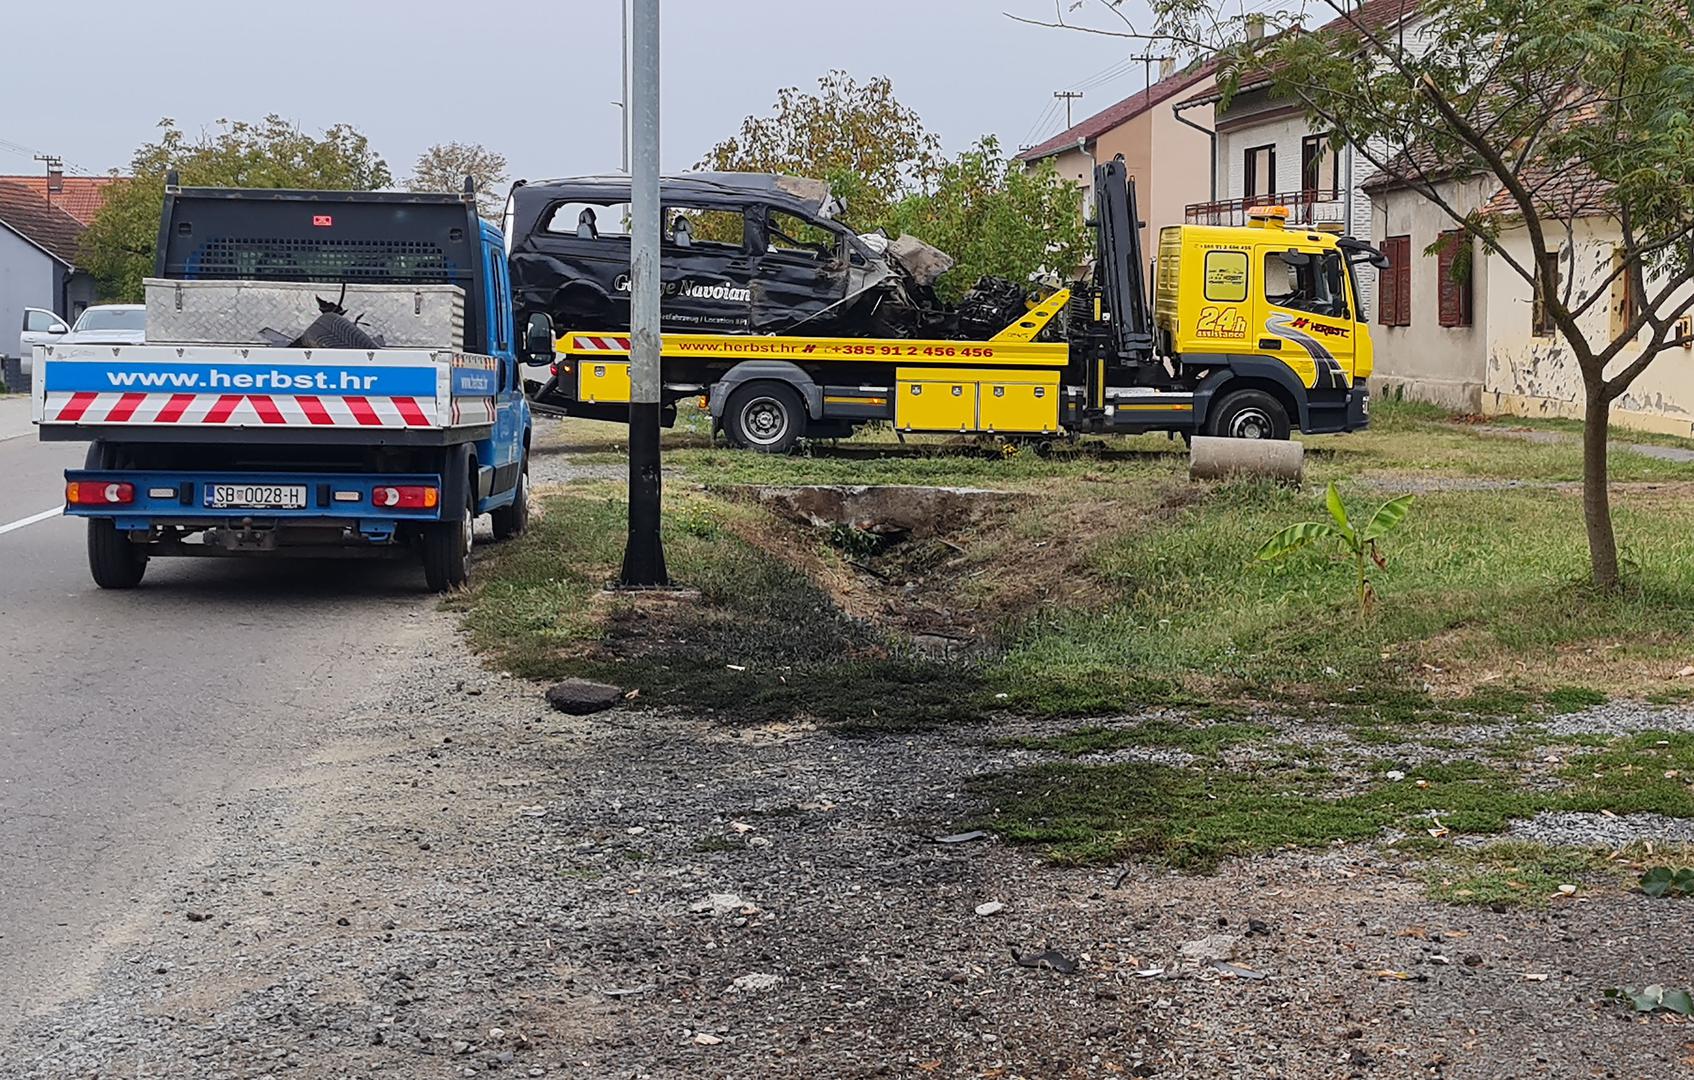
1516, 873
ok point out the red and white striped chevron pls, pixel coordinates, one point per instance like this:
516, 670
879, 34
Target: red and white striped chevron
240, 410
600, 343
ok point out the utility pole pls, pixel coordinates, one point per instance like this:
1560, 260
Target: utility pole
623, 86
1069, 96
644, 556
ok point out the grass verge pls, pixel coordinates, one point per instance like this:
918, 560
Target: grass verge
1191, 818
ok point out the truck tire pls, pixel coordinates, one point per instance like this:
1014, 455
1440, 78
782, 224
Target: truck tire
1248, 414
447, 549
332, 331
510, 521
765, 416
114, 562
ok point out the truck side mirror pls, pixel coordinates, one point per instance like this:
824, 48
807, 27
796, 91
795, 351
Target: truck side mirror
538, 339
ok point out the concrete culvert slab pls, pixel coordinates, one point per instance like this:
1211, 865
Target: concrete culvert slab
1212, 458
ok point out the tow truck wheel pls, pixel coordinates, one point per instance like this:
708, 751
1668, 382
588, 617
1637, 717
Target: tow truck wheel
765, 416
511, 521
112, 559
447, 549
1249, 414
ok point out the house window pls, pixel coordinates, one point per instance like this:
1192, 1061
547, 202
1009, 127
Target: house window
1394, 305
1453, 277
1320, 168
1540, 323
1258, 172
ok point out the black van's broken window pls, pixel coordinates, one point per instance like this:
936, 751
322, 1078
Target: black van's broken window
790, 235
718, 230
588, 221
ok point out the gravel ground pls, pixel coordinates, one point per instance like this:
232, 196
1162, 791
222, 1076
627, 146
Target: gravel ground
463, 881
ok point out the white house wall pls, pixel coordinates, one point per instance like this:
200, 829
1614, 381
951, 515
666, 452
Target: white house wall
1425, 360
27, 279
1528, 375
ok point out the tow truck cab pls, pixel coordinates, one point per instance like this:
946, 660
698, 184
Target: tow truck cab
1272, 303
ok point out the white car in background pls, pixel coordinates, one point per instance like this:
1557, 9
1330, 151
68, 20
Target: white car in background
108, 324
41, 327
103, 324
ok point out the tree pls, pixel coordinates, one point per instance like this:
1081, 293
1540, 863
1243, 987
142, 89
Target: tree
870, 148
444, 166
996, 217
1577, 109
119, 244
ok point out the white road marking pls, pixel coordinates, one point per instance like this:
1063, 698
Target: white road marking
31, 520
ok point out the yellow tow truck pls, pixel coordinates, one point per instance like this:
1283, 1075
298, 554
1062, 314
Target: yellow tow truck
1252, 332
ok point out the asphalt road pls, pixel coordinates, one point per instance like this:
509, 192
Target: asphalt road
130, 720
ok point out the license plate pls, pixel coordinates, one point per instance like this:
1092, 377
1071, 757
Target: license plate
256, 496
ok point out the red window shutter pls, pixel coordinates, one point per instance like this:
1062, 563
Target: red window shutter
1388, 285
1448, 289
1404, 303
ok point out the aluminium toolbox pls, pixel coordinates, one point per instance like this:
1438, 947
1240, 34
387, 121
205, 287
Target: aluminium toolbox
236, 312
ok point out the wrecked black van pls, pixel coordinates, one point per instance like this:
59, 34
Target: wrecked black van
741, 253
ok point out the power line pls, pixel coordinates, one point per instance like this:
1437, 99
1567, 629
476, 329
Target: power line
32, 152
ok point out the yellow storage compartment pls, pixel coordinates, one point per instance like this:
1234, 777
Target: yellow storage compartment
938, 405
1018, 407
600, 381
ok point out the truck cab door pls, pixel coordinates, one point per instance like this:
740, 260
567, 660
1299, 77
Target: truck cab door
1306, 315
508, 395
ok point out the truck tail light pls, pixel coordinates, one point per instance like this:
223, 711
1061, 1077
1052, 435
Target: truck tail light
405, 497
99, 493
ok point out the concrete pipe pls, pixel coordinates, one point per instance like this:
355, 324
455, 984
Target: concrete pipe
1211, 458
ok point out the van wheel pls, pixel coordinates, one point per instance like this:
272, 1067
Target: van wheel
447, 549
1248, 414
765, 416
511, 521
114, 562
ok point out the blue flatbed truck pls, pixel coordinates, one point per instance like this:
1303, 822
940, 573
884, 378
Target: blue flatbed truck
289, 450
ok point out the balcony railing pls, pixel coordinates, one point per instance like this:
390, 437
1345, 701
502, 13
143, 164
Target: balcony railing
1304, 208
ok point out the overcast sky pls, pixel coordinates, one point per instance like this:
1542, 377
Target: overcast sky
530, 79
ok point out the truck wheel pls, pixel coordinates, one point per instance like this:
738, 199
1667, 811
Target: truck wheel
447, 549
765, 416
511, 521
1248, 414
114, 562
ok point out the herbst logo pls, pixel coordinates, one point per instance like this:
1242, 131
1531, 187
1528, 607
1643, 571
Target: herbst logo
1303, 323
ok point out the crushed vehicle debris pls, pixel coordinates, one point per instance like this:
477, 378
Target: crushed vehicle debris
751, 253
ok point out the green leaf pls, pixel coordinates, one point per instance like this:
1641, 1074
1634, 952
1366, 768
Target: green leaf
1388, 517
1683, 882
1295, 537
1656, 881
1338, 511
1676, 1001
1647, 998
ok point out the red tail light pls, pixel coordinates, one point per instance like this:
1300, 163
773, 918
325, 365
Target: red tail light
99, 493
405, 497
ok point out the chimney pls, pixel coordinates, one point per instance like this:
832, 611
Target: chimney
1255, 28
1167, 64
